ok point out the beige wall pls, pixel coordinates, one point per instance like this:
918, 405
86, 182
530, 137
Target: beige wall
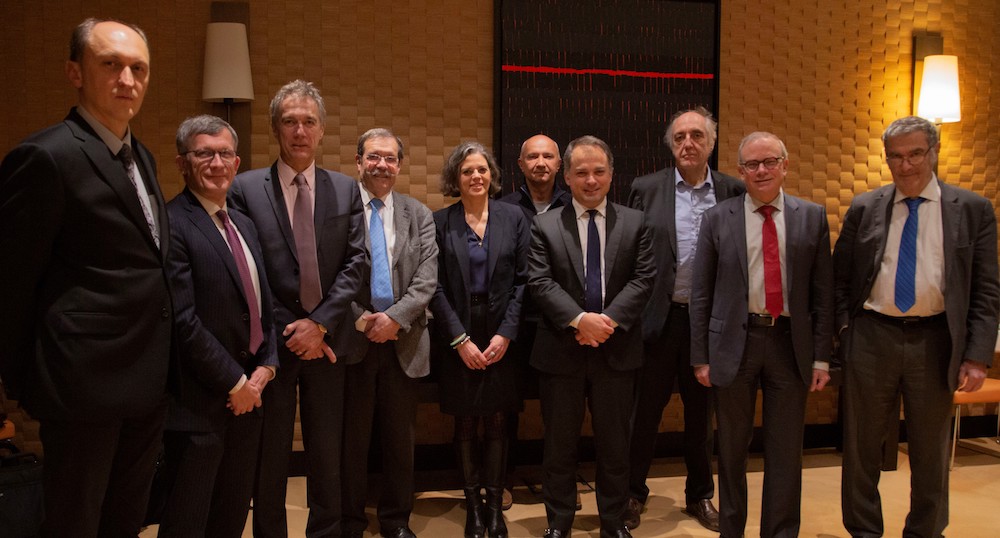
826, 76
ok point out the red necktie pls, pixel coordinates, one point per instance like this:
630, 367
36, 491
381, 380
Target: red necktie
773, 299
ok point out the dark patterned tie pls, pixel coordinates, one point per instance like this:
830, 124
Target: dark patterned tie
304, 231
592, 297
906, 265
236, 247
773, 297
125, 156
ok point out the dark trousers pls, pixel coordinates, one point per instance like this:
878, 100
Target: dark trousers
211, 477
321, 409
97, 475
667, 360
378, 387
886, 359
768, 361
609, 394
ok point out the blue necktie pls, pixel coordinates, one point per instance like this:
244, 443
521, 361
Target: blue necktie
906, 265
381, 281
592, 296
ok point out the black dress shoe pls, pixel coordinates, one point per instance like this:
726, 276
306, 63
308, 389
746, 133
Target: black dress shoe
705, 513
556, 533
616, 533
399, 532
631, 515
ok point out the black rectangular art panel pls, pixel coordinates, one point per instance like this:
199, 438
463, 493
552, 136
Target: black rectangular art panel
615, 69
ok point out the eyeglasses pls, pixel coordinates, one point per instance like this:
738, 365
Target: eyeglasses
915, 157
227, 155
770, 163
374, 158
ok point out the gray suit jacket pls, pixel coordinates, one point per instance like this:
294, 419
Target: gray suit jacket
556, 284
719, 288
972, 293
655, 195
414, 279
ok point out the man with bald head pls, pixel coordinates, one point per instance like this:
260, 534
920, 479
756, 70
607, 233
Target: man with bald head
539, 161
86, 323
673, 201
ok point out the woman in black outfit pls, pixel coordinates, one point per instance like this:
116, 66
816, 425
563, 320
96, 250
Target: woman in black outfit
482, 269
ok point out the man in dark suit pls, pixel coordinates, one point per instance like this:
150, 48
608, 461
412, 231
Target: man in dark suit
539, 162
917, 299
762, 315
226, 343
87, 315
391, 339
673, 201
310, 228
590, 272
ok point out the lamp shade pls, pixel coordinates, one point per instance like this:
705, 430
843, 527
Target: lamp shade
939, 100
227, 63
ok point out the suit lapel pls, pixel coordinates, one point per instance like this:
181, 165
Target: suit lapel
277, 199
738, 234
670, 203
880, 224
322, 191
951, 223
571, 239
401, 225
613, 238
792, 230
498, 238
204, 223
457, 230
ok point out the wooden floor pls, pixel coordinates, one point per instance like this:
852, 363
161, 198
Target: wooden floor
975, 510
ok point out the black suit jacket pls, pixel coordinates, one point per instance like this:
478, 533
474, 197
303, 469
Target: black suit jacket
654, 194
972, 293
508, 250
213, 316
86, 319
556, 284
340, 246
719, 288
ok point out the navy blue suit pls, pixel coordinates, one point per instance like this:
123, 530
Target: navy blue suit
206, 445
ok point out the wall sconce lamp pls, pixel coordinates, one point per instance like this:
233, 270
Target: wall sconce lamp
936, 92
227, 65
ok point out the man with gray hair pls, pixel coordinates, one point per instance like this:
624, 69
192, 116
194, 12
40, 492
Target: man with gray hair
917, 307
391, 344
226, 350
309, 221
673, 201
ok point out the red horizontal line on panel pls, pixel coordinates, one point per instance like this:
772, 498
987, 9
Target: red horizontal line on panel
608, 72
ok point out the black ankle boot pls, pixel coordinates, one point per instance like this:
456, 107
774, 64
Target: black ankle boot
474, 525
495, 524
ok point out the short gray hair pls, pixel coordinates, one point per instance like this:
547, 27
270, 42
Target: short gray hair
204, 124
452, 168
760, 135
80, 38
711, 126
587, 140
911, 124
296, 88
379, 132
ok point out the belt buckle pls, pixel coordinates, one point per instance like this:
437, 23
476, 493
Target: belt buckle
769, 318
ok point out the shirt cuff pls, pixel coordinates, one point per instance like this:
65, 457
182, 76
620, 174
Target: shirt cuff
576, 321
821, 365
274, 372
239, 384
361, 324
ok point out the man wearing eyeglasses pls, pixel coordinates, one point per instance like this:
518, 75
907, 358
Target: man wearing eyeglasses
309, 221
225, 342
391, 345
917, 302
762, 315
673, 202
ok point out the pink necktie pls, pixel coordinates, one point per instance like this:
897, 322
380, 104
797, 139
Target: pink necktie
236, 247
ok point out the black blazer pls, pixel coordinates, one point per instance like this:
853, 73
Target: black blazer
508, 253
213, 316
340, 245
654, 195
86, 319
556, 284
972, 296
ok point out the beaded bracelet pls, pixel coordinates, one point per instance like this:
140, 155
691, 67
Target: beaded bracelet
458, 341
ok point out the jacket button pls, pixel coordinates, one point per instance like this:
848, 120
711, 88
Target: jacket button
246, 317
243, 354
164, 313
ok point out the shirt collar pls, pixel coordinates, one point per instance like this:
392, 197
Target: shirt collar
582, 211
286, 174
211, 207
753, 205
679, 181
113, 142
366, 197
932, 191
